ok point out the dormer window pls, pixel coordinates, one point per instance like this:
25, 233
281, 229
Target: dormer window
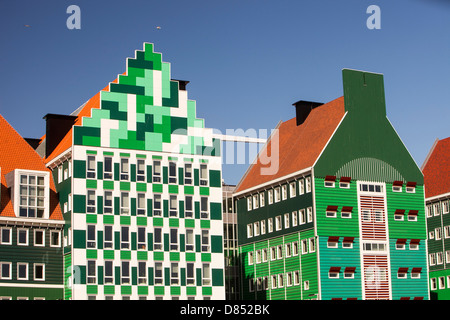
397, 186
411, 187
330, 181
29, 192
344, 182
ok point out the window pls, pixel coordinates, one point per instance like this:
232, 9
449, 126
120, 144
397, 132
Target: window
157, 171
309, 214
190, 274
141, 238
172, 172
412, 215
5, 270
157, 212
329, 181
301, 186
32, 194
438, 233
400, 244
173, 206
91, 272
402, 273
39, 271
441, 283
91, 202
22, 271
274, 282
203, 175
277, 223
433, 284
437, 209
374, 246
255, 201
91, 167
39, 238
124, 168
5, 235
91, 236
22, 237
429, 211
188, 208
270, 225
399, 215
249, 230
397, 186
415, 273
140, 170
256, 229
294, 219
124, 203
304, 246
284, 192
206, 271
125, 238
288, 249
204, 208
349, 272
270, 196
261, 199
141, 204
411, 187
344, 182
302, 216
250, 258
142, 272
295, 248
445, 207
263, 227
332, 242
189, 240
331, 212
173, 239
125, 274
280, 280
188, 173
346, 212
249, 204
366, 187
293, 189
308, 184
333, 273
157, 239
108, 202
174, 274
277, 194
286, 220
108, 237
446, 232
107, 168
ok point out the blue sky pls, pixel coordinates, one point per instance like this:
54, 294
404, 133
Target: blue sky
247, 61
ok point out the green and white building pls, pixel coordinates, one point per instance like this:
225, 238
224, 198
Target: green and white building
139, 183
333, 208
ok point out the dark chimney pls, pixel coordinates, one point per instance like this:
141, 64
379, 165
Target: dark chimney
182, 84
33, 142
56, 128
303, 108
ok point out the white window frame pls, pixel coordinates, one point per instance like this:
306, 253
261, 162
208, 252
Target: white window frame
26, 230
35, 266
25, 264
141, 170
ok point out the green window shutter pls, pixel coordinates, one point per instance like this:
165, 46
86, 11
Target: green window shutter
217, 277
216, 244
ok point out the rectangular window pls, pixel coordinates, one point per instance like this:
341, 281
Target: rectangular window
107, 168
157, 171
141, 238
206, 272
301, 186
293, 189
255, 201
190, 274
174, 274
125, 238
188, 173
270, 225
108, 237
173, 206
157, 208
204, 208
124, 203
270, 196
142, 272
203, 175
140, 170
308, 184
91, 237
22, 237
286, 220
157, 239
39, 238
5, 270
263, 227
284, 192
124, 169
108, 202
261, 199
22, 271
125, 274
91, 201
172, 172
39, 271
188, 207
277, 194
249, 230
91, 167
309, 214
249, 204
278, 223
91, 272
173, 239
141, 204
256, 229
190, 240
32, 191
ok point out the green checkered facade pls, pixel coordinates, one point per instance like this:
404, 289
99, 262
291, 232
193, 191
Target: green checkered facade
144, 217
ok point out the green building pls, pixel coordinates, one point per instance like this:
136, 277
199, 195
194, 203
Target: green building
333, 208
139, 183
436, 171
31, 223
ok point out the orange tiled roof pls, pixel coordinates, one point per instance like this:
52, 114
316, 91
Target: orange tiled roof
299, 146
66, 142
16, 153
436, 169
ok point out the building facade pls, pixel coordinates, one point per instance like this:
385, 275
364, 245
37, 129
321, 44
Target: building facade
31, 223
436, 170
139, 179
333, 209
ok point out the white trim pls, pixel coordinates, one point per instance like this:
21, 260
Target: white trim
30, 221
283, 178
32, 285
65, 155
438, 197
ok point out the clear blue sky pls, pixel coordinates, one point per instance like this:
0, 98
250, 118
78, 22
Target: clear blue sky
247, 61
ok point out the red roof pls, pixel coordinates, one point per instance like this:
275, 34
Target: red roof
16, 153
436, 169
299, 146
